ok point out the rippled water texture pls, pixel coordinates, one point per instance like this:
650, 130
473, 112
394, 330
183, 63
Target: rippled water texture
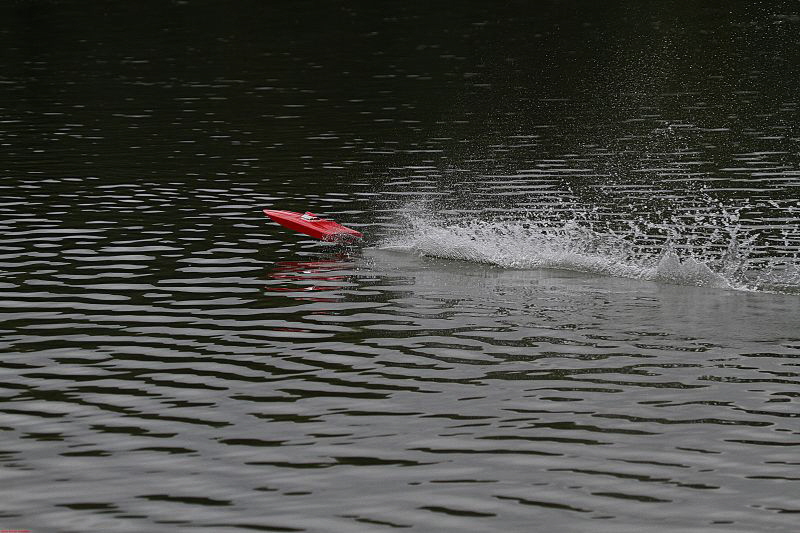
576, 307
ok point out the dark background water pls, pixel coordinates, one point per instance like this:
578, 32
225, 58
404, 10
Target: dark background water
173, 361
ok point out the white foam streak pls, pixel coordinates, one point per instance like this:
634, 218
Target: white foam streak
577, 247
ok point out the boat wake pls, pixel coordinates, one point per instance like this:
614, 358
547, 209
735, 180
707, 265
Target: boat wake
725, 258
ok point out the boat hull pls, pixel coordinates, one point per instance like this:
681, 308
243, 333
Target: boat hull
313, 226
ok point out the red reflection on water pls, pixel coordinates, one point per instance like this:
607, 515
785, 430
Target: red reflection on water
296, 272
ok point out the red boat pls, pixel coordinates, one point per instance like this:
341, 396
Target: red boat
313, 225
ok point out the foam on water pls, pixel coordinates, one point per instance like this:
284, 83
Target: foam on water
725, 259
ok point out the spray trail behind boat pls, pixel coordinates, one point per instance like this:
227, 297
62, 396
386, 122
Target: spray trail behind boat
703, 250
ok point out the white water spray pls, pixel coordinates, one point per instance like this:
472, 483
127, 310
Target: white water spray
667, 252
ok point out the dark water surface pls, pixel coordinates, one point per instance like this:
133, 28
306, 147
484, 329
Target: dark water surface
577, 307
